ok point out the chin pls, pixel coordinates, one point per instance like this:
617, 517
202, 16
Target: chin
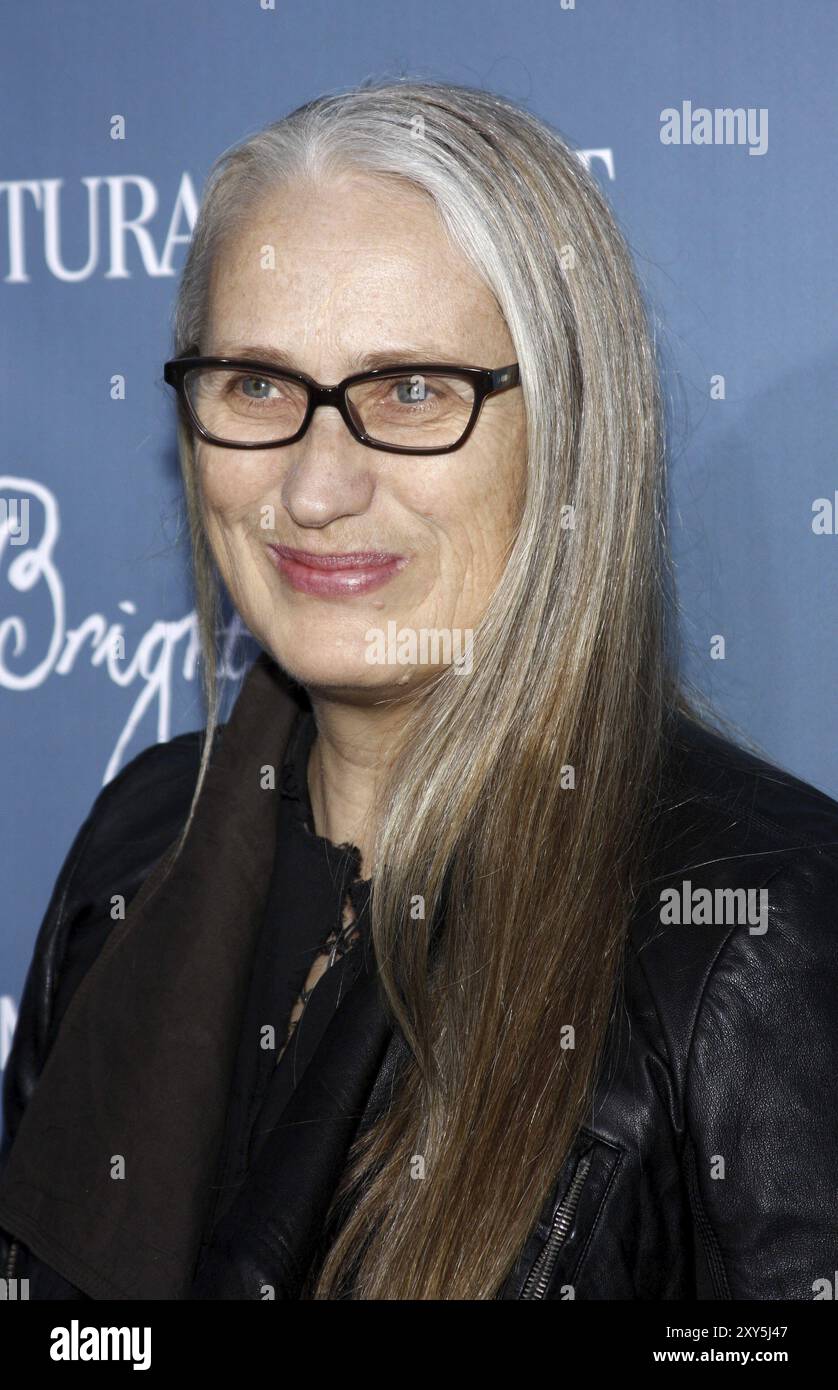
346, 674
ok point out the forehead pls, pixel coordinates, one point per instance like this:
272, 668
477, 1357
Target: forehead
357, 258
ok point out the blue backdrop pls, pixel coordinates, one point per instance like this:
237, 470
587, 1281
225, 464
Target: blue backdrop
733, 241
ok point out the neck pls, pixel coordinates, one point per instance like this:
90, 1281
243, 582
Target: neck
346, 767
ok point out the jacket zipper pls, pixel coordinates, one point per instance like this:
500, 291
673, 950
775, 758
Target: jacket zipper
12, 1259
538, 1278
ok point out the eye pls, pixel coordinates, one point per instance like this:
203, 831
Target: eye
410, 389
262, 382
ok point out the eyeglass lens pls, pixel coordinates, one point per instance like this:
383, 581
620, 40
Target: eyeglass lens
239, 407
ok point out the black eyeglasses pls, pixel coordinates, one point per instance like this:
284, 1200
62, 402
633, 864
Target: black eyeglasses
426, 408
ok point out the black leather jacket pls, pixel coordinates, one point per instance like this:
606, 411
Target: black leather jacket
709, 1168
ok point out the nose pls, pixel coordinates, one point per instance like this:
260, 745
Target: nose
330, 475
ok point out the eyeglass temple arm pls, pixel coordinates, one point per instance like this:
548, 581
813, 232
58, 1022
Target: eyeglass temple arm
504, 377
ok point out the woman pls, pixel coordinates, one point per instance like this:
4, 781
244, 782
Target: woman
436, 979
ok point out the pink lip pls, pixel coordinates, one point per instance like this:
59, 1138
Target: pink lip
356, 572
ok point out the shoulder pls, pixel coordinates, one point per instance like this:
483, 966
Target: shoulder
130, 825
744, 1011
735, 925
158, 769
148, 797
715, 781
132, 822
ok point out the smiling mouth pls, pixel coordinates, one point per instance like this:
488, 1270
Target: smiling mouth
335, 575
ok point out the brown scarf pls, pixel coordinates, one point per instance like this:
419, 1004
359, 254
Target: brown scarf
143, 1061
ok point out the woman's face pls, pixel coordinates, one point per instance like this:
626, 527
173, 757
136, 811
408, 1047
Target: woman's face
360, 268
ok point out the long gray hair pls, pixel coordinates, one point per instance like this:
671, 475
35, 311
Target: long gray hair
522, 791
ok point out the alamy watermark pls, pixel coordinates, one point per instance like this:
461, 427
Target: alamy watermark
688, 906
723, 125
78, 1342
410, 646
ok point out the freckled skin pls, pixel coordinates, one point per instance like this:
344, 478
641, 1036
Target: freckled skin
359, 268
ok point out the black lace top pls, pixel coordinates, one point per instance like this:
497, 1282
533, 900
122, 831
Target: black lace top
317, 912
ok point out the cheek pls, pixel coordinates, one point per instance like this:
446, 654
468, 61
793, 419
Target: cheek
230, 485
231, 491
476, 501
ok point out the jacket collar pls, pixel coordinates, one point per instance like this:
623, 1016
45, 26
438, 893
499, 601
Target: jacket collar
109, 1177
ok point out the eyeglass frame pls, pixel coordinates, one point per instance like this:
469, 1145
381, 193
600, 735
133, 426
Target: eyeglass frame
486, 381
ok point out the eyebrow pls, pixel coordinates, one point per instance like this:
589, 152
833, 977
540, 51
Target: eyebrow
367, 361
